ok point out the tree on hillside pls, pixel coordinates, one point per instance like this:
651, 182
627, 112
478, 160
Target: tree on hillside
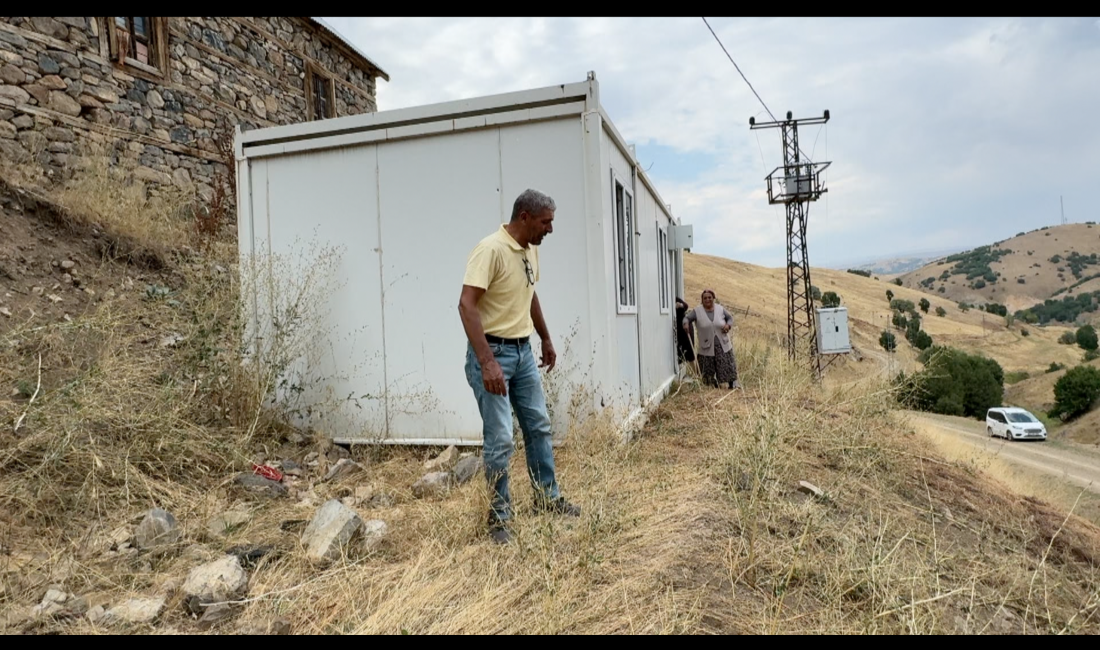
922, 341
1086, 338
940, 311
897, 281
815, 293
888, 341
1075, 392
899, 320
924, 305
955, 383
900, 304
889, 295
830, 299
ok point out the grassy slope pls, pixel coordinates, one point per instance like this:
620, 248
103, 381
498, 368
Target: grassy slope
696, 526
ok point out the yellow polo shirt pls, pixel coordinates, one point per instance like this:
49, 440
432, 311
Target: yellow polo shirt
497, 265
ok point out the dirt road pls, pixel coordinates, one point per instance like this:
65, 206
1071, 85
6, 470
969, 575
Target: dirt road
1076, 464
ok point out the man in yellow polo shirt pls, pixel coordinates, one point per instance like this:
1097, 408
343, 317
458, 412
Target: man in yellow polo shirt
499, 311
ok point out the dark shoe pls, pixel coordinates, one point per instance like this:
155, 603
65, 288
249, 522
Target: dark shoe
498, 530
560, 506
499, 533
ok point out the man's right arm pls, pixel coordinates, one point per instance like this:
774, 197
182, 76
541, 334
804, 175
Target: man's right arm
478, 276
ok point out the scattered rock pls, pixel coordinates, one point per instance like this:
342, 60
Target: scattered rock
444, 461
364, 493
217, 581
136, 610
54, 298
467, 468
224, 523
156, 528
261, 486
332, 528
53, 603
433, 485
343, 467
311, 459
38, 291
290, 468
216, 614
372, 533
172, 340
278, 626
66, 279
806, 487
294, 437
336, 453
382, 500
4, 311
96, 614
68, 265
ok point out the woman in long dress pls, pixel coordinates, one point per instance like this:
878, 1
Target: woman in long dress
713, 322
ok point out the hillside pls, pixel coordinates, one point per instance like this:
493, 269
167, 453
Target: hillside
129, 392
761, 291
1052, 262
898, 265
1036, 393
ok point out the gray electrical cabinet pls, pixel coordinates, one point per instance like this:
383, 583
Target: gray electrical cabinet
832, 331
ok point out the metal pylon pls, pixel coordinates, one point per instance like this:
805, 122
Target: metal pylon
801, 183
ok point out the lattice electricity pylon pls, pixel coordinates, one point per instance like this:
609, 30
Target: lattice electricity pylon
800, 184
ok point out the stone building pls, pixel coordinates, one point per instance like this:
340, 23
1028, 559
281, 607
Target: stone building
165, 92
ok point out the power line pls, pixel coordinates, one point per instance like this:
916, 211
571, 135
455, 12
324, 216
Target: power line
772, 115
739, 69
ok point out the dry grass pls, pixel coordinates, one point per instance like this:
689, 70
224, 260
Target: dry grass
696, 526
104, 199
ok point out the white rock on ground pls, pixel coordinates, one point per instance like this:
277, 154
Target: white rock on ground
343, 467
467, 468
809, 488
434, 484
443, 461
372, 532
331, 530
156, 528
135, 610
217, 581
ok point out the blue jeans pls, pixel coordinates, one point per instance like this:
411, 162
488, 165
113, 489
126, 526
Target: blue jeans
521, 376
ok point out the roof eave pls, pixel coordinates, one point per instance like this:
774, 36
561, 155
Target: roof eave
352, 50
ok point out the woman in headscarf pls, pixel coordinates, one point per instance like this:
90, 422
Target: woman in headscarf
716, 360
684, 336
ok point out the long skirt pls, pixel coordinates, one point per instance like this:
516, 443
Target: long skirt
719, 369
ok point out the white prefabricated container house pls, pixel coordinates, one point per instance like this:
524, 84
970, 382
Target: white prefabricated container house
407, 194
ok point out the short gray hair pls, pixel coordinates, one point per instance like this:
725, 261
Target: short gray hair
533, 202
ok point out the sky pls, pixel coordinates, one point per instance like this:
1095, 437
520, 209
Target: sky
943, 133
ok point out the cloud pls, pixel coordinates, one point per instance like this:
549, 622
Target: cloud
944, 131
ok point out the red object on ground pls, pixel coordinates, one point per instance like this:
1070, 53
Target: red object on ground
267, 472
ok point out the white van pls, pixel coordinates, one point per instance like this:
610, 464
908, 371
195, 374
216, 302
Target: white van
1013, 423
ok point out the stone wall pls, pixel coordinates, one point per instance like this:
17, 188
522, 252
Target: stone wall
59, 88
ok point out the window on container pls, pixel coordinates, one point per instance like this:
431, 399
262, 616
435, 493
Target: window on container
662, 267
624, 245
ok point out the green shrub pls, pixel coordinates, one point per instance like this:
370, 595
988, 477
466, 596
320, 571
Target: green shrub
888, 341
1067, 338
940, 311
830, 299
954, 383
1086, 337
1075, 392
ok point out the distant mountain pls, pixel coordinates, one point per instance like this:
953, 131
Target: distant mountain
897, 265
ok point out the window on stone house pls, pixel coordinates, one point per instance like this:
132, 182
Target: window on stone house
322, 104
137, 42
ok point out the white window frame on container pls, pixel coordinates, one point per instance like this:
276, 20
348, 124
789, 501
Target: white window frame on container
624, 220
663, 269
